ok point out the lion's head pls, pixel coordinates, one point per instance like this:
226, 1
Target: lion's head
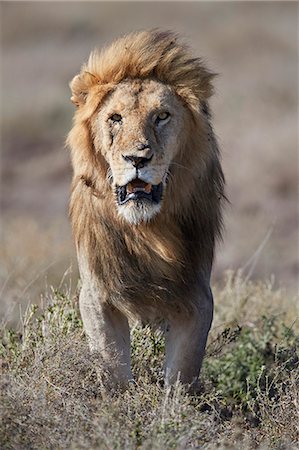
141, 111
138, 130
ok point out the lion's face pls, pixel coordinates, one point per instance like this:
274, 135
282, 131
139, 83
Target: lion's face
139, 129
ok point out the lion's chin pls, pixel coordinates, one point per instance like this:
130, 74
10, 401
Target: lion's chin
138, 211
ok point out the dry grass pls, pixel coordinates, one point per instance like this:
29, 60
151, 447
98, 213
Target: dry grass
33, 255
51, 398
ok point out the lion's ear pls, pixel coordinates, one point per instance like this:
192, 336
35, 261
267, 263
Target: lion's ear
80, 86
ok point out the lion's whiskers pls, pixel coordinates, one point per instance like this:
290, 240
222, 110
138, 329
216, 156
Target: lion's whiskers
180, 166
168, 176
109, 176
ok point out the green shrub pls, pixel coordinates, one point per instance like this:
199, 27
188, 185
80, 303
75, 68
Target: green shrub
258, 358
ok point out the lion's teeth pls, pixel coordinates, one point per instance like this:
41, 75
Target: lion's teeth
131, 189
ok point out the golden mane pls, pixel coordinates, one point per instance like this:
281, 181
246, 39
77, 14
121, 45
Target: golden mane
148, 54
176, 247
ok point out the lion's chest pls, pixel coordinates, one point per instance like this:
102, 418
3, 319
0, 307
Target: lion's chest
151, 275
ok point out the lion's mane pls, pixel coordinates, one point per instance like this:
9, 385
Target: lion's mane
149, 269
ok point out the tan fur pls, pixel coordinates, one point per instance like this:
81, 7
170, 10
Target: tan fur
160, 267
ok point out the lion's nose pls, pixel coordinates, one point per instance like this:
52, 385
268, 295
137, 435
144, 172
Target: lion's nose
137, 161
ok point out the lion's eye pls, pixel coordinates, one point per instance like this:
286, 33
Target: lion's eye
116, 118
162, 117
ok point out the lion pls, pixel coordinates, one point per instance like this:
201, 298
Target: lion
146, 200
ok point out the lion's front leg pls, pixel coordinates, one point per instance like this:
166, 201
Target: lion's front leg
185, 343
109, 335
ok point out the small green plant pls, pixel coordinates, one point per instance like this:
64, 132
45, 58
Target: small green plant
260, 354
39, 326
147, 351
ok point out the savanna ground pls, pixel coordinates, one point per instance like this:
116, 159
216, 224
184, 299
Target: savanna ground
50, 397
249, 397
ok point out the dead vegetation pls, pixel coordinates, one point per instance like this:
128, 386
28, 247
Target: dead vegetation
249, 397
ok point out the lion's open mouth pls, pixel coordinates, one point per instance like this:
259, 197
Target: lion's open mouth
138, 189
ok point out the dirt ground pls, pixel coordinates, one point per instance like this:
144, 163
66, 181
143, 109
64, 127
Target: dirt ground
252, 45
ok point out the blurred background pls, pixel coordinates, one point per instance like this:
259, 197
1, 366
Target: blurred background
252, 45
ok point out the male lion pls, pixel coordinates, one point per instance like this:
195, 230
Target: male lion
146, 199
